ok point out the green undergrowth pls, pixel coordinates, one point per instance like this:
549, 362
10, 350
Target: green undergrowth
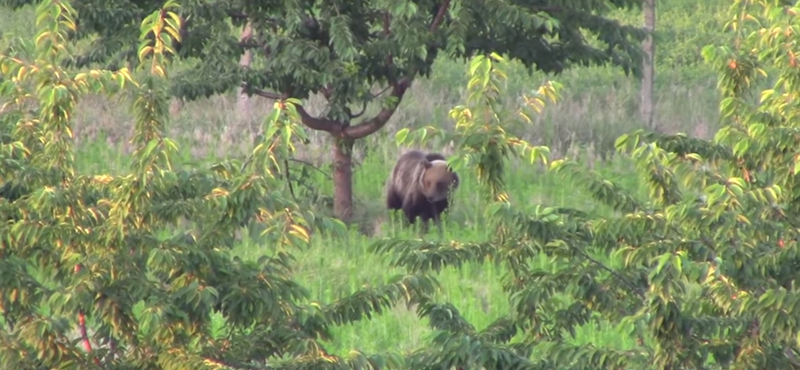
335, 266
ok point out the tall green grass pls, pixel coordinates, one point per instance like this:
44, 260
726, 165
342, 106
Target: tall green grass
334, 267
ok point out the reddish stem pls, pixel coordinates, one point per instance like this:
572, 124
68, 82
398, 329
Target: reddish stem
82, 327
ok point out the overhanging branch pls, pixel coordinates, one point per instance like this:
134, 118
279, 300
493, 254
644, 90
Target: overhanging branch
437, 20
236, 365
369, 126
314, 123
317, 123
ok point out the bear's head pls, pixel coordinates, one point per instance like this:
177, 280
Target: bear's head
438, 180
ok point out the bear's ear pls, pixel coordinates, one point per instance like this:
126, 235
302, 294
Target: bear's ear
427, 164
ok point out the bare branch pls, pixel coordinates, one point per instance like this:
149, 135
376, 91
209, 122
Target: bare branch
636, 289
550, 8
790, 354
87, 344
363, 109
309, 164
437, 20
387, 20
368, 127
82, 329
236, 14
366, 102
314, 123
235, 365
317, 123
262, 93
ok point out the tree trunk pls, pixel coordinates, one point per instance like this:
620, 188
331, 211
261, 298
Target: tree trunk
648, 67
176, 105
243, 105
343, 178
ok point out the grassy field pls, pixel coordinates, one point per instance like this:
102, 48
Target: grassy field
598, 105
335, 267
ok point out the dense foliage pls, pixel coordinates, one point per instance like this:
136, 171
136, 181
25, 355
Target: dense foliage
134, 271
344, 48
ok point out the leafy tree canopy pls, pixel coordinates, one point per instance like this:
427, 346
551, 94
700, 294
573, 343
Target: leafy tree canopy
343, 48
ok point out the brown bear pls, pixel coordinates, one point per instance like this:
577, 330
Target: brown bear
420, 185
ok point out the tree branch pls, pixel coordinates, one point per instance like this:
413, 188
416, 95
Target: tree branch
635, 288
318, 123
236, 14
236, 365
790, 354
314, 123
437, 20
87, 344
368, 127
549, 8
366, 101
262, 93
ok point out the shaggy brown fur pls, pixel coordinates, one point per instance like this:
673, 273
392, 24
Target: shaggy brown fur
420, 185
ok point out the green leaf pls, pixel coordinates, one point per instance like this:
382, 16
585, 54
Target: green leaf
401, 135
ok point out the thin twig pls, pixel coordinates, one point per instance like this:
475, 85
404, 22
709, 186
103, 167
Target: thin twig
633, 286
310, 165
82, 327
790, 354
288, 179
236, 365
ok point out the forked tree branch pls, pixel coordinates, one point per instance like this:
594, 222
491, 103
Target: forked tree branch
373, 124
315, 123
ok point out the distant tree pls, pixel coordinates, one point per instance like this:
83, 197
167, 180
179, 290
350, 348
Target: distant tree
649, 65
344, 49
94, 272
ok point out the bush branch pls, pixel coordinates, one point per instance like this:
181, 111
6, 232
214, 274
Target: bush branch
236, 365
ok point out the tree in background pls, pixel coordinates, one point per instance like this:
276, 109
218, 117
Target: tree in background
353, 53
649, 65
